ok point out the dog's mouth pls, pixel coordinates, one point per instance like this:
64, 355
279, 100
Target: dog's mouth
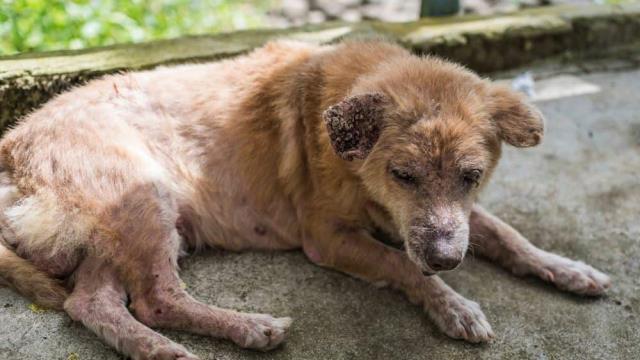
428, 273
426, 269
414, 254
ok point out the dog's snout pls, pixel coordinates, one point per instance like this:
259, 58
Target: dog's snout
443, 233
438, 243
443, 254
443, 262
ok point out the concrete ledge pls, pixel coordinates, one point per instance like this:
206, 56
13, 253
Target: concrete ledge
482, 43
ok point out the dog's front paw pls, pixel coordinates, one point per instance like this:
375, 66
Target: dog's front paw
573, 276
461, 319
260, 331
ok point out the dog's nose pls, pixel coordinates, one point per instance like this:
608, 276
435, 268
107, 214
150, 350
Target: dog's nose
443, 262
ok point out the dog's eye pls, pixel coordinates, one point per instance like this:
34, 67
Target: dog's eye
403, 176
471, 178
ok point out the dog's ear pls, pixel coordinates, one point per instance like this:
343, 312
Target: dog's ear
354, 124
519, 123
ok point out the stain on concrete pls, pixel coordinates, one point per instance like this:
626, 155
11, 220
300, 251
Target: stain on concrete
634, 133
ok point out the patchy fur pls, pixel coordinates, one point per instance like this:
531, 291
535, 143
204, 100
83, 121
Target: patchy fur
290, 146
354, 125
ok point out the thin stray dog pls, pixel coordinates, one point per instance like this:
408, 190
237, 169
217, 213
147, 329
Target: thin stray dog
293, 145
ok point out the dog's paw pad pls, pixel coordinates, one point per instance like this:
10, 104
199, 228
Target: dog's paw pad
261, 332
462, 319
575, 276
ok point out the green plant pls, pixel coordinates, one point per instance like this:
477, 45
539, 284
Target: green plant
37, 25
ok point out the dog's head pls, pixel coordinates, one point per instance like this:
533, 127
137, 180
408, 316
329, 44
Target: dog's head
424, 136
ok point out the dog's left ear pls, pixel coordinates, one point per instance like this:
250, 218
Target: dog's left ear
520, 124
354, 124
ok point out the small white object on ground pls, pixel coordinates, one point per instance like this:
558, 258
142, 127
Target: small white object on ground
525, 83
552, 88
563, 86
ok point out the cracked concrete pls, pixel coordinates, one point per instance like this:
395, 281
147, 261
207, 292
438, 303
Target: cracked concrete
578, 195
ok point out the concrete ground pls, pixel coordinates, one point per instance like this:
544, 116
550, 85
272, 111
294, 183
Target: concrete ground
578, 195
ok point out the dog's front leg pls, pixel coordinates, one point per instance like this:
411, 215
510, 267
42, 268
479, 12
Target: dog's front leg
497, 241
357, 253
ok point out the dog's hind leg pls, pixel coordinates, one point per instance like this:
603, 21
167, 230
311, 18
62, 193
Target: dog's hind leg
158, 300
99, 302
145, 224
497, 241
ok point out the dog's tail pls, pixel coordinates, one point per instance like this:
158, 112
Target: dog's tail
19, 273
32, 283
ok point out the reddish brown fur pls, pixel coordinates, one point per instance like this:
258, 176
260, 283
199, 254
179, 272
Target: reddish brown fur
113, 180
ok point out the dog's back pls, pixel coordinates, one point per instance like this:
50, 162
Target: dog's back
69, 166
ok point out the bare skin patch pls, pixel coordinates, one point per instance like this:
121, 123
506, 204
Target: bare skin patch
354, 125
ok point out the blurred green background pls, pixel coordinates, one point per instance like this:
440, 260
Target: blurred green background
36, 25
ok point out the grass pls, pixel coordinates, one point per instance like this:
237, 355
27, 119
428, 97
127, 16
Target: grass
39, 25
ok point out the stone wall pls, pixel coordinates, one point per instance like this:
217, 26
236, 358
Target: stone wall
482, 43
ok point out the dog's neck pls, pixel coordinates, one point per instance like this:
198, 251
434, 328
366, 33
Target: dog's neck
320, 83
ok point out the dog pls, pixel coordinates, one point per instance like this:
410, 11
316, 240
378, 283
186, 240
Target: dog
291, 146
